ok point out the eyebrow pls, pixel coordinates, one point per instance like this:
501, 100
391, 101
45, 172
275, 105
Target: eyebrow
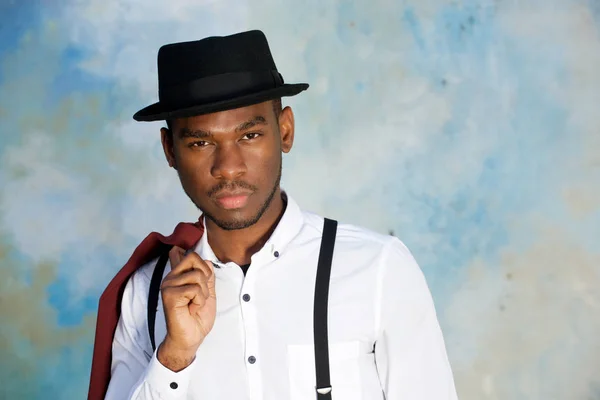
258, 120
196, 134
185, 133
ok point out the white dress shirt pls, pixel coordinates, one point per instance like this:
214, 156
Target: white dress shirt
385, 341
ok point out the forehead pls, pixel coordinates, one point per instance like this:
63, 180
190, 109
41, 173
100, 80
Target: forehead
227, 120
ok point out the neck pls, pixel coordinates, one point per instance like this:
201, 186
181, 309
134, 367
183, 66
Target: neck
239, 245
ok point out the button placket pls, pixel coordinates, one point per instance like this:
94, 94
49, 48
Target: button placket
250, 321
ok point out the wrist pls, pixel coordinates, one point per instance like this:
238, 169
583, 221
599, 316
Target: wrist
173, 357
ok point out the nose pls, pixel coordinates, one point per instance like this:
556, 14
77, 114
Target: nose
228, 163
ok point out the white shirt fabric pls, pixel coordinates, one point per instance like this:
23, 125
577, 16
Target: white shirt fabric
385, 341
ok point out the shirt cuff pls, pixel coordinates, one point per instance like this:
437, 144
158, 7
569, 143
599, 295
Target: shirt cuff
168, 384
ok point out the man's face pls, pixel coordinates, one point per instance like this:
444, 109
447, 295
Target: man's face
229, 162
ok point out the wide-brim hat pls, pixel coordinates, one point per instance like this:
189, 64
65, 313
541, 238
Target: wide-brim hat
215, 74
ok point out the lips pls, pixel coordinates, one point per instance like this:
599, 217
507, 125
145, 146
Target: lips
233, 200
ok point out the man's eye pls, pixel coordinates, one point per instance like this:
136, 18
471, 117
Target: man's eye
251, 135
199, 143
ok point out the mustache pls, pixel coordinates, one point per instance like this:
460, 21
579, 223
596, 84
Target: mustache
230, 186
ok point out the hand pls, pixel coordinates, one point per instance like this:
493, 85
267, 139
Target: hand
190, 305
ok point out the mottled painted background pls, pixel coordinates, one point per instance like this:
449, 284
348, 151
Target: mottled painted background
471, 129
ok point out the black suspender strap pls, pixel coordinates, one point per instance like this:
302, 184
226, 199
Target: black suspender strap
320, 310
153, 293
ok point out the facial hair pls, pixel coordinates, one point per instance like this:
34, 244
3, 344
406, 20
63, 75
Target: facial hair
236, 224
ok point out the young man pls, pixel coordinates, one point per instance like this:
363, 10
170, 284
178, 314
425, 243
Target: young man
260, 300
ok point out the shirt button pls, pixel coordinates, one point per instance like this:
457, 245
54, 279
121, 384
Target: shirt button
246, 297
251, 359
174, 385
276, 254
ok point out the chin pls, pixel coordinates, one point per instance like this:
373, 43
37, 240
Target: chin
230, 223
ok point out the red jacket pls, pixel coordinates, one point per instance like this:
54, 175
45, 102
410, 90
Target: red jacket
186, 235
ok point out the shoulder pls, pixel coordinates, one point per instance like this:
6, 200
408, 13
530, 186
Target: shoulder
357, 239
135, 295
350, 233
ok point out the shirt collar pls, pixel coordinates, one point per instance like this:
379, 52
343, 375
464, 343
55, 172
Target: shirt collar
286, 230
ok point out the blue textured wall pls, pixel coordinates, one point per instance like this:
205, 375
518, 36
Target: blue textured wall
469, 128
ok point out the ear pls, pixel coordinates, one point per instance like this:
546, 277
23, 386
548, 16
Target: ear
166, 137
286, 129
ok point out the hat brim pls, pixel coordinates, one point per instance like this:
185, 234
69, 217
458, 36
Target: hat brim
158, 111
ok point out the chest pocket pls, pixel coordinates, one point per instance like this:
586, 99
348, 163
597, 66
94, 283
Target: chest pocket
345, 360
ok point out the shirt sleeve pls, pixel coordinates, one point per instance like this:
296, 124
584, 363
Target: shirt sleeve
409, 351
136, 373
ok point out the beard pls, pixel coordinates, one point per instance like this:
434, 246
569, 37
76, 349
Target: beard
237, 223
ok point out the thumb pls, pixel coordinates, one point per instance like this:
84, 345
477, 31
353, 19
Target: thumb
176, 254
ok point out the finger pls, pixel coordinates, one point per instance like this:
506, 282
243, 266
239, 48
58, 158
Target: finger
187, 263
180, 296
210, 282
207, 267
193, 276
176, 254
205, 289
209, 270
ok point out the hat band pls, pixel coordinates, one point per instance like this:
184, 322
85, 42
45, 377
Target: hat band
219, 87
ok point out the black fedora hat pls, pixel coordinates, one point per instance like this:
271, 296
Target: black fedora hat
215, 74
